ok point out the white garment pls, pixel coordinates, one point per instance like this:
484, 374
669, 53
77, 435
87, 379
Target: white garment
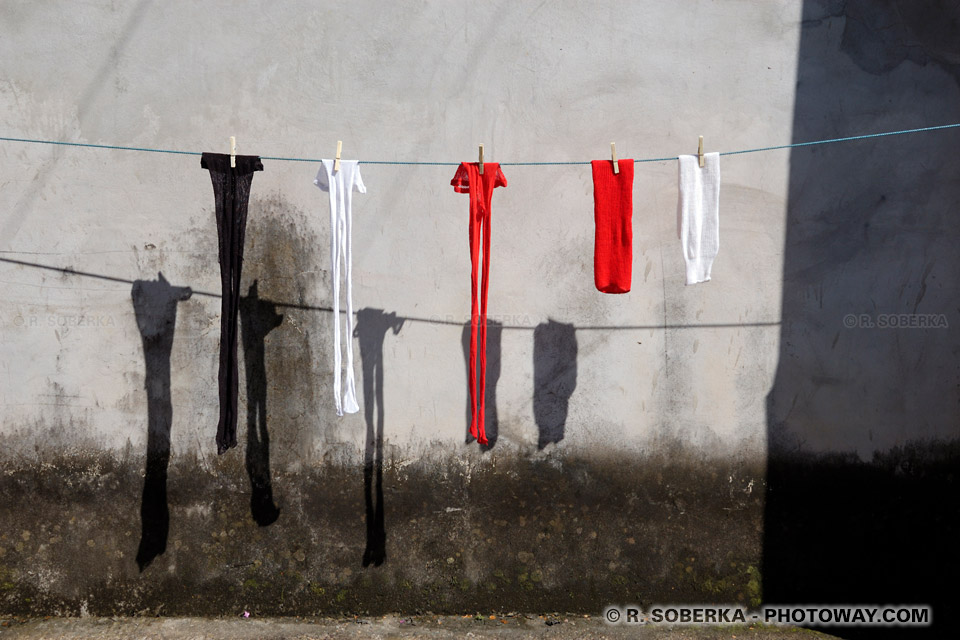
698, 214
340, 186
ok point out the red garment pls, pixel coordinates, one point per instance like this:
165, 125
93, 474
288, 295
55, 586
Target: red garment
613, 213
480, 187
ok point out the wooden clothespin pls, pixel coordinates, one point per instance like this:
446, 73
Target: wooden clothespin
336, 161
700, 151
613, 157
233, 152
480, 164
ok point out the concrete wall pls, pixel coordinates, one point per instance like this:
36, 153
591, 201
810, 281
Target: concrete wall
109, 373
414, 82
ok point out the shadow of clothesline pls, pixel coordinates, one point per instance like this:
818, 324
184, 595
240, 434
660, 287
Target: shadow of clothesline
439, 321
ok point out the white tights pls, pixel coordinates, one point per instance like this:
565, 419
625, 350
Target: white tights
340, 186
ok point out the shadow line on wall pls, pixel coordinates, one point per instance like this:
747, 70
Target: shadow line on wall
436, 321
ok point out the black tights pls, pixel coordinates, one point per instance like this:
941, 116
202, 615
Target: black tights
231, 191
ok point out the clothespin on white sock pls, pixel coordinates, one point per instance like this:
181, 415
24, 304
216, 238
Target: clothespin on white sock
336, 161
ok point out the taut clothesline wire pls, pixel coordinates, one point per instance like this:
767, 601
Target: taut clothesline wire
505, 164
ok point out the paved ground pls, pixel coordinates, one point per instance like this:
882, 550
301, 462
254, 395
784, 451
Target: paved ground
388, 627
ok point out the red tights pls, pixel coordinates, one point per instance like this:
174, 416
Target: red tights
480, 187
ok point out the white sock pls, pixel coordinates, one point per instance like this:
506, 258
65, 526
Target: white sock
698, 214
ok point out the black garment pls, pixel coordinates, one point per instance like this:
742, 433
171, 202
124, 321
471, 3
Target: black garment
231, 191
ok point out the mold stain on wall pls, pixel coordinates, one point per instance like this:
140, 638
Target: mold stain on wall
557, 533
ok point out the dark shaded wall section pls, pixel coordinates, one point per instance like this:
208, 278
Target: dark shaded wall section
864, 418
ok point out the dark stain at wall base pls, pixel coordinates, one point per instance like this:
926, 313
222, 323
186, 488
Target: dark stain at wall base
287, 361
515, 533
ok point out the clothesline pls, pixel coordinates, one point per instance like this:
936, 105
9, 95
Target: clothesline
698, 230
505, 164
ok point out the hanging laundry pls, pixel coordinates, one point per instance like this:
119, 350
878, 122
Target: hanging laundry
613, 217
231, 192
698, 214
468, 179
340, 185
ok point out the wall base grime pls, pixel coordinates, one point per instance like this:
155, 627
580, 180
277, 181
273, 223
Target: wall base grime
514, 533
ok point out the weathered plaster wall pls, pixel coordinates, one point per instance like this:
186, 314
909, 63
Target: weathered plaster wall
423, 81
631, 431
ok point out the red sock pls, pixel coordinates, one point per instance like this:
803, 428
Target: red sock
613, 213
